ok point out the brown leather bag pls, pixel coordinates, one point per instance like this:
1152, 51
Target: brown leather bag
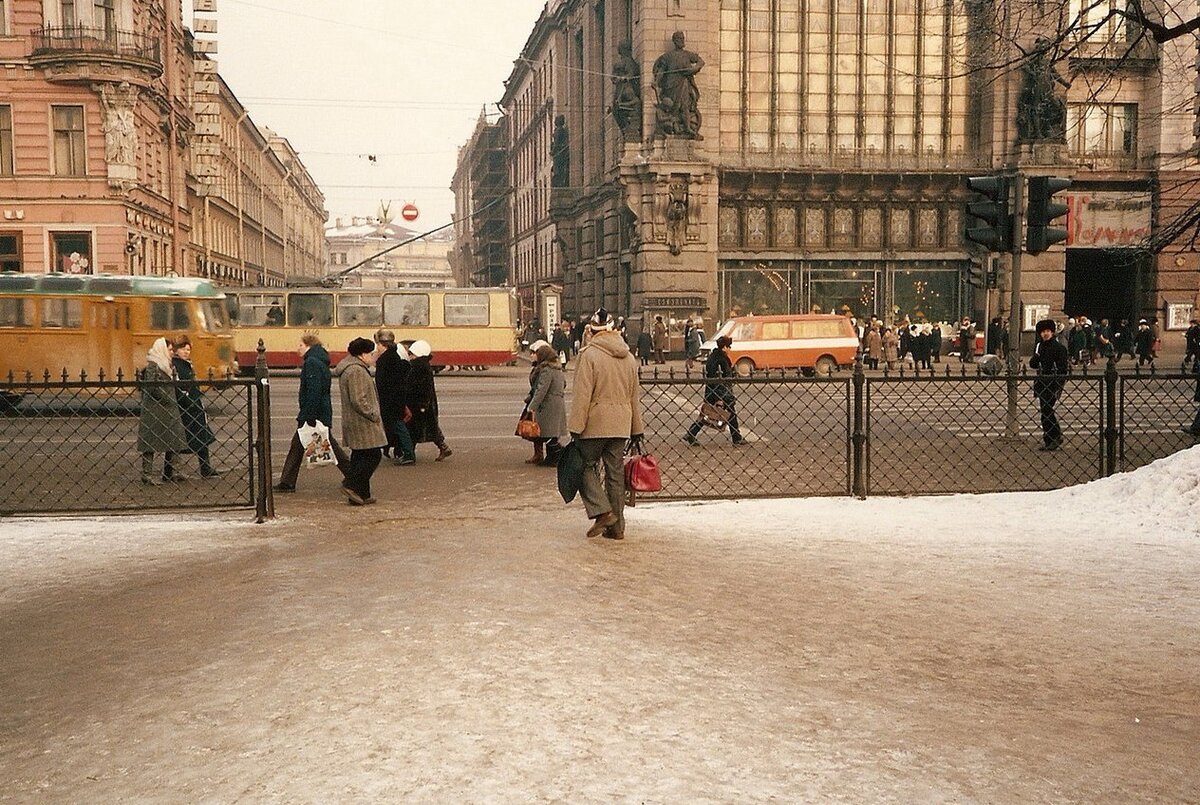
714, 414
527, 426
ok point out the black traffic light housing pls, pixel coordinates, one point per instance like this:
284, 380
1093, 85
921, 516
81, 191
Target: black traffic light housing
1042, 210
975, 274
997, 236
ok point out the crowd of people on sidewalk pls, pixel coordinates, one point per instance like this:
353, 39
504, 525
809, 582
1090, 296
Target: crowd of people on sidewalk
387, 415
172, 420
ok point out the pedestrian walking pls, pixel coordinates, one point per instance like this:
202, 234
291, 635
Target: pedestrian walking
920, 346
1194, 428
362, 422
1191, 340
966, 341
191, 409
691, 347
1123, 340
874, 346
935, 342
661, 340
539, 454
891, 348
645, 346
315, 406
561, 341
605, 413
547, 402
719, 366
421, 399
904, 333
1052, 364
391, 376
160, 424
1144, 341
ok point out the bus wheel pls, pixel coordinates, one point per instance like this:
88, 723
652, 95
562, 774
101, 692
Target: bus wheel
825, 366
10, 401
744, 367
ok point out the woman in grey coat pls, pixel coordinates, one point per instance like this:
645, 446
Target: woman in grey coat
547, 402
362, 424
160, 426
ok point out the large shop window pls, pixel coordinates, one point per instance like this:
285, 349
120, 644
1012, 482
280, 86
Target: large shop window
761, 289
842, 291
926, 294
72, 252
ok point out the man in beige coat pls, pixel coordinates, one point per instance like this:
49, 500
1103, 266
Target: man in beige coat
605, 412
362, 424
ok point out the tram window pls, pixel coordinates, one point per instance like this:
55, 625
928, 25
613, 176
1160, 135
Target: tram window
62, 313
260, 309
107, 285
463, 309
406, 309
170, 316
358, 310
215, 317
16, 312
17, 282
310, 310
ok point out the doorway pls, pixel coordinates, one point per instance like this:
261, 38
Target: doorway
1104, 284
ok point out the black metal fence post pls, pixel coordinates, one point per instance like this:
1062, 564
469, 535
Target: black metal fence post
859, 436
1111, 434
265, 497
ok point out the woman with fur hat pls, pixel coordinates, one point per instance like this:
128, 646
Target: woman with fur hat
160, 425
362, 423
421, 399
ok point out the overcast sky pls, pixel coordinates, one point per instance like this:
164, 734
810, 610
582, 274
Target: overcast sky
402, 80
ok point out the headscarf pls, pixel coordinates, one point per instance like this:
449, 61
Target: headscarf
160, 355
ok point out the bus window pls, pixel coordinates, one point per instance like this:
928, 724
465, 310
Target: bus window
15, 312
62, 313
215, 318
774, 331
406, 309
464, 309
169, 316
310, 310
358, 310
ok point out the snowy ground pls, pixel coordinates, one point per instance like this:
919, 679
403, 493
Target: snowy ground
1004, 648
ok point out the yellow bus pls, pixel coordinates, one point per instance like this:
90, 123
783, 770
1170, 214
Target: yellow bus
465, 326
89, 323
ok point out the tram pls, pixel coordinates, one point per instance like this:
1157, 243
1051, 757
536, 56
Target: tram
89, 323
470, 327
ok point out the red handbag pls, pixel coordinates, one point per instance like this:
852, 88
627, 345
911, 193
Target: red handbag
641, 472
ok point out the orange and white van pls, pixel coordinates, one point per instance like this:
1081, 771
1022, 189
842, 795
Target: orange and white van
811, 342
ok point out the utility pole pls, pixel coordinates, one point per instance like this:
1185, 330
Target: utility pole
1011, 428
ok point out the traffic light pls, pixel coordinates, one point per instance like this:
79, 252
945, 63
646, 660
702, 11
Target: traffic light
1039, 235
993, 275
997, 235
975, 275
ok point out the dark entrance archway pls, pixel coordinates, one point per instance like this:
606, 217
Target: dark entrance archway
1105, 283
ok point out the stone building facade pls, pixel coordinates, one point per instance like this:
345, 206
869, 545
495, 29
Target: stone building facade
97, 133
832, 151
387, 255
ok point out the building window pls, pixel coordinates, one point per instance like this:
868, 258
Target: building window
10, 251
1104, 129
104, 16
67, 14
68, 141
3, 17
6, 140
72, 252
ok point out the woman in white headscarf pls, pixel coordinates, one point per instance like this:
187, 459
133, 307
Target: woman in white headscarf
160, 426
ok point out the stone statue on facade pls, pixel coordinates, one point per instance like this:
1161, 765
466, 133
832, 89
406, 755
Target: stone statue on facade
678, 109
677, 215
120, 130
1041, 111
627, 93
560, 154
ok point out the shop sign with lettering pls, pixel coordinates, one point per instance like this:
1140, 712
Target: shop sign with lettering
1106, 219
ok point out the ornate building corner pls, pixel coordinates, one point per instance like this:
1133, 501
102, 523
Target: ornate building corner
118, 102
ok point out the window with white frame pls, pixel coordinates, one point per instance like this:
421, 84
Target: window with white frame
69, 145
1096, 128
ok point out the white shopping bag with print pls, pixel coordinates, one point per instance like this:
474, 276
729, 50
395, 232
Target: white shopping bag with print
318, 450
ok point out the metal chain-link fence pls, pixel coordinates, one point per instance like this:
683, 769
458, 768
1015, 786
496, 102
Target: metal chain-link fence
92, 446
909, 434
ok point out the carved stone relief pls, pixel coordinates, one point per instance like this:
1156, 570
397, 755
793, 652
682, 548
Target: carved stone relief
785, 227
872, 228
728, 234
756, 227
843, 228
901, 228
814, 227
120, 131
927, 228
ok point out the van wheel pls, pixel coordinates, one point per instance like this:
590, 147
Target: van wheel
825, 366
744, 367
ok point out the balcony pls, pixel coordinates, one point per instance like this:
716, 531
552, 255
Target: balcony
77, 53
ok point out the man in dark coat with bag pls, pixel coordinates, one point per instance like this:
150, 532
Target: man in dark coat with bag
391, 377
421, 398
315, 406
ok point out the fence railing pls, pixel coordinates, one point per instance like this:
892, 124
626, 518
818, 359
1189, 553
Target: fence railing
77, 446
909, 434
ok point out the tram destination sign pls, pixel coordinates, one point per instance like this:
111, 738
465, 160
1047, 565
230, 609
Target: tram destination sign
676, 302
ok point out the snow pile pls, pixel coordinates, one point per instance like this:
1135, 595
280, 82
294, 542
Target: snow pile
1159, 502
39, 552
